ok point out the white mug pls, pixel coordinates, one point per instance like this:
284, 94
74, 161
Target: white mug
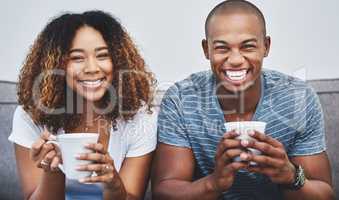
244, 127
70, 145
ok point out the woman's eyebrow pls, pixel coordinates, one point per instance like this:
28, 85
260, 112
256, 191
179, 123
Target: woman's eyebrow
101, 48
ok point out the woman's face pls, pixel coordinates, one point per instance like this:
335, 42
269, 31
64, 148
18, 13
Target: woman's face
89, 67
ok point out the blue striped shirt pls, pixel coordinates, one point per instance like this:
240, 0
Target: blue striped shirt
191, 117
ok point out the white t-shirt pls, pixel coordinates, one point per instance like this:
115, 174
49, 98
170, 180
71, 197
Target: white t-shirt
133, 138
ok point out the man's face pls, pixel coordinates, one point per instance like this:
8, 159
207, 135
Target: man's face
236, 47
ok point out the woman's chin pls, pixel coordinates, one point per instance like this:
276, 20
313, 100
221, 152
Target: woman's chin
92, 97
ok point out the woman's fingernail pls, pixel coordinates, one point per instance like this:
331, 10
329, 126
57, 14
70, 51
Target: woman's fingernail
237, 132
251, 132
244, 143
78, 156
82, 180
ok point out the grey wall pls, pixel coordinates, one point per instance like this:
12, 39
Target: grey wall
304, 33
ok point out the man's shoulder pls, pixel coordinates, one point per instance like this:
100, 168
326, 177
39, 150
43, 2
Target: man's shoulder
277, 82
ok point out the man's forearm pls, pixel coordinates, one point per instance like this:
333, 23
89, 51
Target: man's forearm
52, 186
312, 190
178, 189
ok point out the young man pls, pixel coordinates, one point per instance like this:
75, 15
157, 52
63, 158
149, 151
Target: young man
194, 159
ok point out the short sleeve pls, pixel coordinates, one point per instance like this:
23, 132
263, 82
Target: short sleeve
312, 140
171, 126
142, 133
24, 131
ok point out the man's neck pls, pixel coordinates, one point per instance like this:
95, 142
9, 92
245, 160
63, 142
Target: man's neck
242, 103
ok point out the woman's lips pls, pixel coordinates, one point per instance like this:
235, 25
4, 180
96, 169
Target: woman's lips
92, 84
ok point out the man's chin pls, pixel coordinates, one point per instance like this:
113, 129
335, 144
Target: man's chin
238, 87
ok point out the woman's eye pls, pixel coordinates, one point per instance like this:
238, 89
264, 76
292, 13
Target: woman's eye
103, 56
77, 58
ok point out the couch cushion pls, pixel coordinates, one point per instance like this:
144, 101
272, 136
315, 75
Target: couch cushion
10, 188
328, 91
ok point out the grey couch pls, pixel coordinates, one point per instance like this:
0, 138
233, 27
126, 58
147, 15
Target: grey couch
328, 91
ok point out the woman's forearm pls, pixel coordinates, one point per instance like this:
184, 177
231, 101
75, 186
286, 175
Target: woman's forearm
115, 190
52, 186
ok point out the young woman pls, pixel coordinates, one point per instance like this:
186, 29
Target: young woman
84, 74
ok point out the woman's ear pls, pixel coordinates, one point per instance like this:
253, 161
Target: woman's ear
267, 43
205, 48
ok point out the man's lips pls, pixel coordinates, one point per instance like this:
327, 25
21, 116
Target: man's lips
236, 75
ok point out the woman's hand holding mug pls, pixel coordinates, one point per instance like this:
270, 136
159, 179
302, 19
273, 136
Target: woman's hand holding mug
45, 155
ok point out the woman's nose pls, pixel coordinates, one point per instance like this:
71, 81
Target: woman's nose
92, 66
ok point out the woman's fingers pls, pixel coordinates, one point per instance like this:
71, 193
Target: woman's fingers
55, 163
98, 168
49, 156
36, 148
97, 147
105, 173
95, 157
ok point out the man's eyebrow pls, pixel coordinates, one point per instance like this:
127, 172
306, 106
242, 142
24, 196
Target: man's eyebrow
250, 40
220, 41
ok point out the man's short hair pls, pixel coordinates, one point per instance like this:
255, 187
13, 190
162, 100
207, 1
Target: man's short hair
236, 6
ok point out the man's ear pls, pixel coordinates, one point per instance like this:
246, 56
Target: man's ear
205, 48
267, 43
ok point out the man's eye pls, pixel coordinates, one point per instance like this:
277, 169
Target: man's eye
249, 46
221, 48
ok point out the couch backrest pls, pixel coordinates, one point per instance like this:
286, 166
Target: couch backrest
328, 91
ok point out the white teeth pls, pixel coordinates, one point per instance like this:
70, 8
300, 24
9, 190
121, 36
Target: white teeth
236, 75
94, 83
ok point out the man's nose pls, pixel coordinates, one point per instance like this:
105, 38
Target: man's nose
235, 58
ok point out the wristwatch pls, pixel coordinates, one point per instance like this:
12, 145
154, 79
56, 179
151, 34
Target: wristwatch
299, 179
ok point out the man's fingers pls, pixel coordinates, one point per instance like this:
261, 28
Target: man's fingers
265, 160
228, 141
266, 139
234, 167
268, 171
232, 153
265, 148
230, 135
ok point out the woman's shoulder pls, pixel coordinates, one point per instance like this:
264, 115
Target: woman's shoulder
21, 116
24, 130
145, 114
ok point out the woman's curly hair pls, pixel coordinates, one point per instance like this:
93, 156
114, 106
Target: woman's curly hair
42, 83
